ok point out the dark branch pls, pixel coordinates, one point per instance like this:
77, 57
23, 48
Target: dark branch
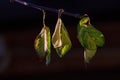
44, 8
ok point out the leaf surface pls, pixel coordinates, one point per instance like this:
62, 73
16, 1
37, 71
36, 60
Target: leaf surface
60, 39
43, 44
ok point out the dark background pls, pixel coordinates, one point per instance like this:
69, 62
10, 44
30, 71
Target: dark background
13, 14
20, 25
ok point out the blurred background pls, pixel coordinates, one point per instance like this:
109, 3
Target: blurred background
20, 25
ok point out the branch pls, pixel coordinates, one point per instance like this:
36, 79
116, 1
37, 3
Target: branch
28, 4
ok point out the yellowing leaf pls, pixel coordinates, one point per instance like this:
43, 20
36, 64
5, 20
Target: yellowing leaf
43, 45
60, 39
88, 54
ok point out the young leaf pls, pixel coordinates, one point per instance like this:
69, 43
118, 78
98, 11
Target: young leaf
60, 39
43, 45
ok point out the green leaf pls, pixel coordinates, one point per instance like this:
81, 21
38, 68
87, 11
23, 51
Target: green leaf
88, 43
88, 54
97, 35
60, 39
43, 44
89, 37
86, 40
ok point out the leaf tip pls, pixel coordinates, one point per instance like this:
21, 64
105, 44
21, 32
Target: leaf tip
88, 55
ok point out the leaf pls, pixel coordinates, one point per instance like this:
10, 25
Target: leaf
88, 43
86, 40
97, 35
88, 54
94, 33
60, 39
89, 37
43, 44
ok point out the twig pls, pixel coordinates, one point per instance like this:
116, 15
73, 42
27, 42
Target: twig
43, 8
